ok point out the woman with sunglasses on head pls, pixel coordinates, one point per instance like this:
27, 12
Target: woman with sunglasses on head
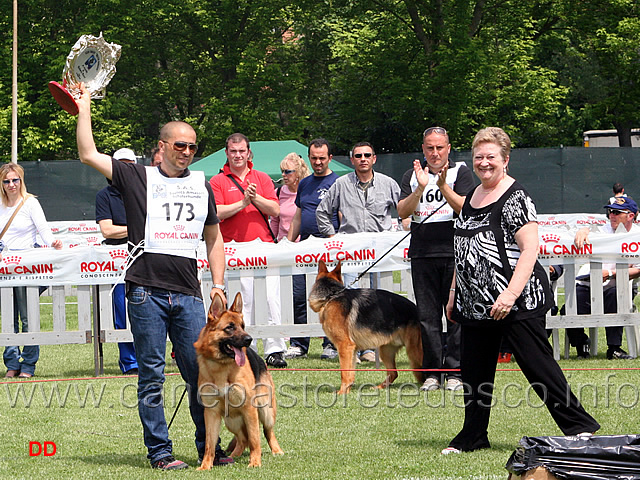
293, 169
500, 291
21, 218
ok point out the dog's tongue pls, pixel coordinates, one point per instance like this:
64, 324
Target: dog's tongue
240, 356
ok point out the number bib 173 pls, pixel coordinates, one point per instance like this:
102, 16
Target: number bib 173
176, 211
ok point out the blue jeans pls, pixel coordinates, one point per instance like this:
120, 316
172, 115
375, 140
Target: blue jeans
30, 353
300, 310
348, 278
154, 313
299, 283
127, 360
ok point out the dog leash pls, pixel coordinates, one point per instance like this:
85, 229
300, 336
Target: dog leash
177, 407
135, 252
397, 243
352, 283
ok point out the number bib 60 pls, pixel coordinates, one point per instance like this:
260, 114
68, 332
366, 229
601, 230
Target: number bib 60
432, 198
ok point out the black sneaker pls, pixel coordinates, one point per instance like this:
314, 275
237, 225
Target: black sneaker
169, 463
583, 350
616, 353
276, 360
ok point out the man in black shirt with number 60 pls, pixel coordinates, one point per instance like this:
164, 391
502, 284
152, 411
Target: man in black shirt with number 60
439, 185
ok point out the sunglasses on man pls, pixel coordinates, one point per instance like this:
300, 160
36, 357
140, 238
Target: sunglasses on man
360, 155
617, 212
182, 146
438, 130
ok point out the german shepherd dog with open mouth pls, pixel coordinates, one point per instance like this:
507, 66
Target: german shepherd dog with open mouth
241, 392
361, 318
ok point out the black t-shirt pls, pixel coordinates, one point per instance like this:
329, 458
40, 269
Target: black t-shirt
435, 239
109, 206
169, 272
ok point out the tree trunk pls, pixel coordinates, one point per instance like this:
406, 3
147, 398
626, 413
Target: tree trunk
624, 133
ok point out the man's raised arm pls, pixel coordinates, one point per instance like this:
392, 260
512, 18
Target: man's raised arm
86, 146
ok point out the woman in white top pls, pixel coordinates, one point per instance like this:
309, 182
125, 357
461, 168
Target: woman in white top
21, 218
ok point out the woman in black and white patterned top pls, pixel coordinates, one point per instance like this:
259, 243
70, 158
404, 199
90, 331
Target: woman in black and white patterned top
500, 290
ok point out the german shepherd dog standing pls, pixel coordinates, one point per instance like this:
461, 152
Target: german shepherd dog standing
360, 318
241, 392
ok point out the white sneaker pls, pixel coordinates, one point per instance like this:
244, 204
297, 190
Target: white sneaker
430, 384
450, 450
454, 384
295, 352
329, 353
369, 356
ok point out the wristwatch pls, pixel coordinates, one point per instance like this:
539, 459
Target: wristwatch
220, 286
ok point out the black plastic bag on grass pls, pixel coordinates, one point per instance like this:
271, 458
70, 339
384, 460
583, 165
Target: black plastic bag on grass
604, 457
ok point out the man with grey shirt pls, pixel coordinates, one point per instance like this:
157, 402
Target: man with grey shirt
363, 200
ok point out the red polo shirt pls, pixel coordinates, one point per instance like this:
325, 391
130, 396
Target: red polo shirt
248, 224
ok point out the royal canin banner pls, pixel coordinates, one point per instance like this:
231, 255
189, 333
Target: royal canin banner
357, 252
68, 266
88, 232
100, 264
76, 234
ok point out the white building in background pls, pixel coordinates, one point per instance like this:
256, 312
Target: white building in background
608, 138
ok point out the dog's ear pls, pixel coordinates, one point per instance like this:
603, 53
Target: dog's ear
237, 303
322, 267
217, 307
338, 270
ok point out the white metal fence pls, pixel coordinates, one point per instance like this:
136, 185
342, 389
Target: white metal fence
626, 315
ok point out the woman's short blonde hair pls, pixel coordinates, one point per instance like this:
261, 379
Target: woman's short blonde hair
493, 135
298, 163
18, 170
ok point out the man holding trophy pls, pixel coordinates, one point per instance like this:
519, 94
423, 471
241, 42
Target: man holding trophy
163, 290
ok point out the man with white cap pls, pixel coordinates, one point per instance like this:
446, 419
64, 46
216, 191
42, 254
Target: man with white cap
112, 219
622, 212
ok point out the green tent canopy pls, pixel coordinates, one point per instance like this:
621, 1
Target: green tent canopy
267, 156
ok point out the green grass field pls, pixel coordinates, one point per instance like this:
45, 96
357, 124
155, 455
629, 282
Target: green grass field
369, 434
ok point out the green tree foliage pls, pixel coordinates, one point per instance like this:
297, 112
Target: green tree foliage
595, 47
376, 70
